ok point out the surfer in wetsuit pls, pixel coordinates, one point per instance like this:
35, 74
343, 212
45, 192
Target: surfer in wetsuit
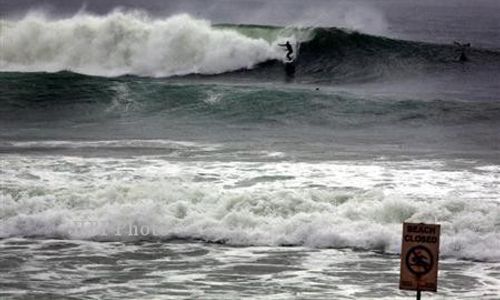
462, 48
289, 49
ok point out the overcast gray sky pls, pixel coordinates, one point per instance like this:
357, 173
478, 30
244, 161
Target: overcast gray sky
278, 12
272, 11
157, 7
440, 21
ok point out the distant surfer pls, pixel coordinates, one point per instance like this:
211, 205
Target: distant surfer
289, 49
462, 48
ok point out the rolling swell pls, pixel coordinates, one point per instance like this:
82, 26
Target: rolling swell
339, 55
71, 97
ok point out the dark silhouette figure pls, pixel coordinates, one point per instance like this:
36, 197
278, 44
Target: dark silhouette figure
289, 49
419, 260
462, 48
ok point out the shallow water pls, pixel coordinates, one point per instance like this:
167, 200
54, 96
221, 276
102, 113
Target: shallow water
186, 270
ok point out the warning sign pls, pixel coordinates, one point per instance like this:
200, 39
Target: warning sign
419, 257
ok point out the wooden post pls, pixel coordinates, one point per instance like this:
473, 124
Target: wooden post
418, 294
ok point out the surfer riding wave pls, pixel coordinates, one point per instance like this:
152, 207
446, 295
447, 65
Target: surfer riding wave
289, 49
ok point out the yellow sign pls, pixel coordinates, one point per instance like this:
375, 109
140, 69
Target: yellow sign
419, 257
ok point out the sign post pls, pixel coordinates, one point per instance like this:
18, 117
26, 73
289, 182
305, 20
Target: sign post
419, 257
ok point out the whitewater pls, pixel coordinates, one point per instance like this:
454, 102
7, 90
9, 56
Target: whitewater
127, 43
150, 157
238, 203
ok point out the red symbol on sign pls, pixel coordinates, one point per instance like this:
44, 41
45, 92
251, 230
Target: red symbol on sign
419, 260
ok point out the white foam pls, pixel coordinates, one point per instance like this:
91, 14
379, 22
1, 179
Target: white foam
328, 204
126, 43
154, 143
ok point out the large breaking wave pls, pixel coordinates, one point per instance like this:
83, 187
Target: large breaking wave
126, 43
133, 43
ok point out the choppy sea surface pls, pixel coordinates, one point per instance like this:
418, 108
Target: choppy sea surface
138, 163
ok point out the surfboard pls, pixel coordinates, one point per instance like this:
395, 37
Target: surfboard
290, 68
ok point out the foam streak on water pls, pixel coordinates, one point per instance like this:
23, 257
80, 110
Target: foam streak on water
184, 270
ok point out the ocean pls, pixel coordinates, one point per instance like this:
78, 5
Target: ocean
147, 155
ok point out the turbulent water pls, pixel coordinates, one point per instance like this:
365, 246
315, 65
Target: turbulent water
137, 150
